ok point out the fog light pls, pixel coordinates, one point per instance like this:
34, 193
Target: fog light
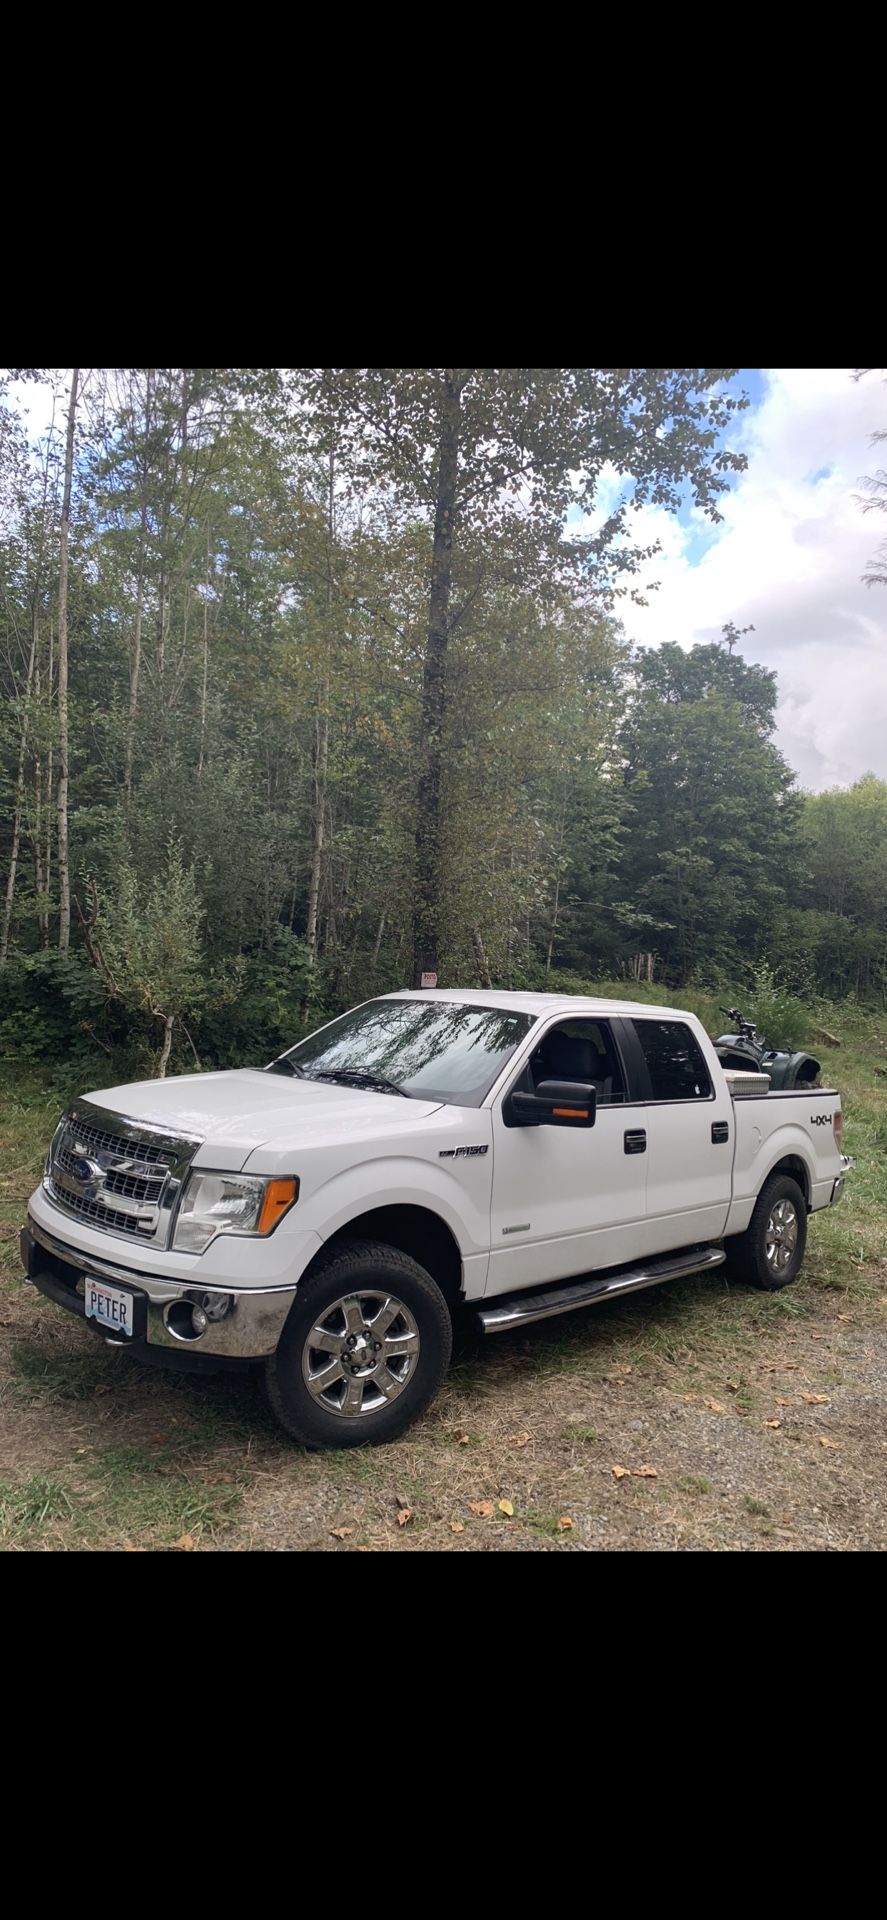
199, 1320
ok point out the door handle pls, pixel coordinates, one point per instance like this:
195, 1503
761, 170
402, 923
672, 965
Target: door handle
635, 1141
720, 1133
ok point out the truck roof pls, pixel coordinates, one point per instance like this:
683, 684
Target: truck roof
538, 1003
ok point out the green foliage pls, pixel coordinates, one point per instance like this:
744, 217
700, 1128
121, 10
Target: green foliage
267, 1013
248, 614
52, 1008
777, 1014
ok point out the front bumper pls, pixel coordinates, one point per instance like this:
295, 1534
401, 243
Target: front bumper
251, 1322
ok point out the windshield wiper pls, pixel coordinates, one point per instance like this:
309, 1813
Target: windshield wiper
283, 1065
353, 1077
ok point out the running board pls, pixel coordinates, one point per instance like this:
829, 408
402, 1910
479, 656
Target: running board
517, 1309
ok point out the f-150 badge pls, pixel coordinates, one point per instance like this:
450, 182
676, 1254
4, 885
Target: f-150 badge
461, 1153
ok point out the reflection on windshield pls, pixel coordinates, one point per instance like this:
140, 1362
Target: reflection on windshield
433, 1050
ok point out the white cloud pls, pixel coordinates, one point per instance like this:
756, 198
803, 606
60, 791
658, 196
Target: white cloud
787, 559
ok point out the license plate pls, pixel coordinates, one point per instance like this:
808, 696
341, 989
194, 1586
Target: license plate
110, 1306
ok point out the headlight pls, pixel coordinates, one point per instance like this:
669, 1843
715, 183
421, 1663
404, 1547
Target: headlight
230, 1203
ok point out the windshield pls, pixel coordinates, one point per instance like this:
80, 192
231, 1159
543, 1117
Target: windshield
428, 1049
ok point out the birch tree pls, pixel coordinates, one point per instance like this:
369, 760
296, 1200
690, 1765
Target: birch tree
64, 859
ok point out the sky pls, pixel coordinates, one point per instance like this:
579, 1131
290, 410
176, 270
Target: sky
786, 559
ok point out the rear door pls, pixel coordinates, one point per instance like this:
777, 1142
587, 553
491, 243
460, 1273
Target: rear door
687, 1121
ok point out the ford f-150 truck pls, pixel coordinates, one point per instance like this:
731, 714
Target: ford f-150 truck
525, 1153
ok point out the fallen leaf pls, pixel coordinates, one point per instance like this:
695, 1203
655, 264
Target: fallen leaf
780, 1401
714, 1406
824, 1441
462, 1439
646, 1473
506, 1507
816, 1399
403, 1515
565, 1522
457, 1526
733, 1386
129, 1549
773, 1423
620, 1473
341, 1533
845, 1317
186, 1543
518, 1439
483, 1508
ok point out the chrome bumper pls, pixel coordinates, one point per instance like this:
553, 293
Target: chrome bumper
244, 1325
847, 1165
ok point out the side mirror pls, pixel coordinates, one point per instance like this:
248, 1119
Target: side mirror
555, 1103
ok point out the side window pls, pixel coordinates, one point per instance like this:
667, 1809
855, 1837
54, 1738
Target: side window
581, 1050
674, 1060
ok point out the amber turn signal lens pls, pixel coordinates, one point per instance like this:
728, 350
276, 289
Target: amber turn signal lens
280, 1195
570, 1113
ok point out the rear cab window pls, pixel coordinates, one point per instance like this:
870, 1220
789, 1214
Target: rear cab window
674, 1060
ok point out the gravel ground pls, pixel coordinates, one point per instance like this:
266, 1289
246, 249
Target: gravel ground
736, 1423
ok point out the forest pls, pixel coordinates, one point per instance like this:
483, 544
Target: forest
314, 685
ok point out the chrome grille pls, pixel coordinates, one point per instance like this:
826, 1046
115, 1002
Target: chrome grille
90, 1210
117, 1174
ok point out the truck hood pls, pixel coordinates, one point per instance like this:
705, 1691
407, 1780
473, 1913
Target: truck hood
234, 1113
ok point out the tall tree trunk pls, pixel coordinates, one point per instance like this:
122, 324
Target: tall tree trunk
135, 668
321, 747
135, 658
37, 836
483, 965
168, 1024
321, 761
205, 684
63, 854
19, 795
47, 862
426, 909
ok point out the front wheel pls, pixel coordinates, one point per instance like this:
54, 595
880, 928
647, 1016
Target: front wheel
770, 1251
365, 1348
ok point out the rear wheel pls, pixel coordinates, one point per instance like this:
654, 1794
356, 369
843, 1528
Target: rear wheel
365, 1348
770, 1252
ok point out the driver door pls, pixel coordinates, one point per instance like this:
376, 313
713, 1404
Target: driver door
566, 1200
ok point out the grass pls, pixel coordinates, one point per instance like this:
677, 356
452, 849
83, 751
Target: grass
117, 1497
101, 1454
30, 1509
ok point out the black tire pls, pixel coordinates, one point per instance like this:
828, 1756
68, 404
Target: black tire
747, 1252
365, 1269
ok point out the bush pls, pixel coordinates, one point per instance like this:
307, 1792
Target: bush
52, 1007
265, 1015
782, 1019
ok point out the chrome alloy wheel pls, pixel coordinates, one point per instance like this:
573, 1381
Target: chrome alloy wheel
781, 1237
360, 1353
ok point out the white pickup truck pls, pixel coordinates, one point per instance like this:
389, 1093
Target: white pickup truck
526, 1153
